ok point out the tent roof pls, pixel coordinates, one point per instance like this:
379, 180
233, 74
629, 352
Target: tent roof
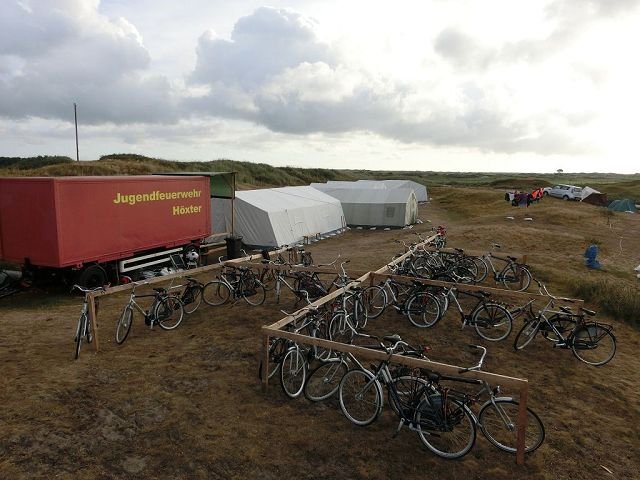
284, 198
369, 195
624, 205
419, 189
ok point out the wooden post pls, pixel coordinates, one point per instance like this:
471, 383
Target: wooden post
522, 423
93, 318
519, 270
264, 373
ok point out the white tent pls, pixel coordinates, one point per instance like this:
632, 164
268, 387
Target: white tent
586, 191
278, 216
377, 207
419, 189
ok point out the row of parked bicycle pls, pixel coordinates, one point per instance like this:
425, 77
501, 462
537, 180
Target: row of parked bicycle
444, 417
423, 305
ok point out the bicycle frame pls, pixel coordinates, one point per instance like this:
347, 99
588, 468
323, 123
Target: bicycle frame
464, 318
281, 279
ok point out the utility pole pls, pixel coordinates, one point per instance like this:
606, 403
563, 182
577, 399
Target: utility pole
75, 114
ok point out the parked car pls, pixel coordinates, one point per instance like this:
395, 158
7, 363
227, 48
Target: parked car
566, 192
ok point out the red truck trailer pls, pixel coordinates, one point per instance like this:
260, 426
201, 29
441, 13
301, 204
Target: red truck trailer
94, 229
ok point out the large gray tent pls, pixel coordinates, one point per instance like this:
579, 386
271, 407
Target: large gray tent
272, 217
374, 207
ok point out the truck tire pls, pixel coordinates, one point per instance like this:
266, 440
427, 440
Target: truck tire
92, 276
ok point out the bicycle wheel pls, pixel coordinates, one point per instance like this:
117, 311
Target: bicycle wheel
423, 310
169, 312
447, 430
511, 280
340, 329
216, 293
253, 291
421, 268
124, 325
323, 381
482, 267
563, 324
466, 267
81, 330
441, 296
492, 322
498, 423
593, 344
356, 311
192, 298
277, 350
374, 299
320, 330
293, 372
360, 396
526, 334
267, 278
408, 390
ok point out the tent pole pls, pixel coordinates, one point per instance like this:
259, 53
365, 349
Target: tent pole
233, 208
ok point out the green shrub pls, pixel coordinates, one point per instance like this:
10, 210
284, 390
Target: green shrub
615, 298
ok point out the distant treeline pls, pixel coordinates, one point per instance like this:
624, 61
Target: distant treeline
26, 163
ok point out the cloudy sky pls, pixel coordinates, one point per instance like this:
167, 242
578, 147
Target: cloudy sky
451, 85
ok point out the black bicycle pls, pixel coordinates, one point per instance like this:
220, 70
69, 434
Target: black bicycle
444, 424
237, 283
166, 310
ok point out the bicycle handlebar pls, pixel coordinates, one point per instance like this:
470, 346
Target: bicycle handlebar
330, 264
88, 290
478, 366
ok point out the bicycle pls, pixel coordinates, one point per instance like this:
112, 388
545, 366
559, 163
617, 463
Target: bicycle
498, 416
444, 424
421, 305
348, 316
83, 330
514, 276
491, 321
237, 282
291, 359
324, 380
191, 296
299, 292
591, 342
310, 281
166, 310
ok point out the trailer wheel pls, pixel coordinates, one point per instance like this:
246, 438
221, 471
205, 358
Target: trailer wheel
92, 276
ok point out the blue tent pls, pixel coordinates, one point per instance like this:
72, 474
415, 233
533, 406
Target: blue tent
624, 205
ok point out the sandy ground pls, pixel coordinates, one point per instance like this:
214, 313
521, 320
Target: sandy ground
188, 403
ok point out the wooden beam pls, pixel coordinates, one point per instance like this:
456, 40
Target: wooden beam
499, 292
